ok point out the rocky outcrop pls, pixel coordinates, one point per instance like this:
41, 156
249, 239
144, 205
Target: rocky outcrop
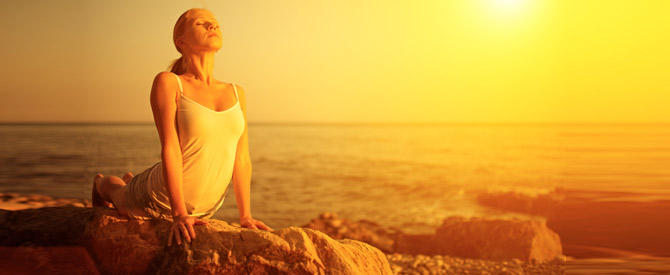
49, 226
619, 223
121, 246
362, 230
457, 237
486, 239
441, 264
46, 260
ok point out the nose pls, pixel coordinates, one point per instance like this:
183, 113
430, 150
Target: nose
212, 26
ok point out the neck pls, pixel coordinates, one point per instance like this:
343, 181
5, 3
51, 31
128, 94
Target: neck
200, 66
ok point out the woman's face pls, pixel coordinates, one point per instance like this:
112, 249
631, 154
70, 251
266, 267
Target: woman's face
201, 32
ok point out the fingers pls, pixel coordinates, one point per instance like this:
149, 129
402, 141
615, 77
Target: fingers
184, 227
261, 225
170, 237
191, 231
255, 224
265, 227
248, 225
176, 236
185, 232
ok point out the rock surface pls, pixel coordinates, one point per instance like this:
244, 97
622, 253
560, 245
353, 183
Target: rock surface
620, 224
438, 264
46, 260
457, 237
121, 246
365, 231
486, 239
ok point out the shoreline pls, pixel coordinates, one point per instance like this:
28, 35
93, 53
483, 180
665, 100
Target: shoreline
431, 264
16, 201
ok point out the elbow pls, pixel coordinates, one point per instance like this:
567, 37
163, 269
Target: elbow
168, 154
243, 165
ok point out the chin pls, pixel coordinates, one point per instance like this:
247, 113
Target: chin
215, 45
212, 48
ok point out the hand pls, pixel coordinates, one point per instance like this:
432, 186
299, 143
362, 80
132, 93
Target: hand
183, 226
252, 223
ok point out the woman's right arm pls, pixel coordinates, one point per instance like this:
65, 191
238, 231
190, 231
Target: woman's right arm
163, 97
163, 103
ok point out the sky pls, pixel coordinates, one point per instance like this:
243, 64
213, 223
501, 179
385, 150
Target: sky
349, 61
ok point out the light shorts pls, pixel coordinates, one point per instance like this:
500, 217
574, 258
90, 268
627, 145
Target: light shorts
139, 204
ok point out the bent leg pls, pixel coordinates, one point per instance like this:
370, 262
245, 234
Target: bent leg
113, 189
119, 201
95, 195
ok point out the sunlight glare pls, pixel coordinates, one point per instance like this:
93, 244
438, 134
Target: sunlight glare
508, 5
508, 15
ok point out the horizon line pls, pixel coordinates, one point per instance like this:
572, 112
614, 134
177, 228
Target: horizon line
354, 123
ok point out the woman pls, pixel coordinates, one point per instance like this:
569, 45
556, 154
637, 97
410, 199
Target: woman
204, 141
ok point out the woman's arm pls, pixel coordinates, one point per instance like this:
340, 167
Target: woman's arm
242, 173
163, 103
163, 97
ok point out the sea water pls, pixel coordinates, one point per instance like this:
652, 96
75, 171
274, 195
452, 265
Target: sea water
409, 176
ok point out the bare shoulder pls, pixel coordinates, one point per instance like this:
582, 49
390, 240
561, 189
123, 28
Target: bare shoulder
165, 78
165, 85
240, 90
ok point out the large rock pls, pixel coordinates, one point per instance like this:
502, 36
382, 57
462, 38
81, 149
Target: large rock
121, 246
619, 223
49, 226
46, 260
485, 239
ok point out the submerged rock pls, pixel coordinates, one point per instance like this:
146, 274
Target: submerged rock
539, 205
121, 246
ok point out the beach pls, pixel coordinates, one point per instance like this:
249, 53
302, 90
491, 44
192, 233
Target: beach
615, 262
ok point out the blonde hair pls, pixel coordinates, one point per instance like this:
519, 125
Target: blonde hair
178, 66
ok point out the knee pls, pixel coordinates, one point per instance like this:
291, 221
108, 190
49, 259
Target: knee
112, 182
108, 185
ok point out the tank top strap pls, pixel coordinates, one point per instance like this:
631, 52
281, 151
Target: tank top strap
181, 91
235, 89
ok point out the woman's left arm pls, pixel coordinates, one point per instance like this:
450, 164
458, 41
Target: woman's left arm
242, 173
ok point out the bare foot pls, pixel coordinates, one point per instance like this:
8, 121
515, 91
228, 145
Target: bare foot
127, 177
95, 196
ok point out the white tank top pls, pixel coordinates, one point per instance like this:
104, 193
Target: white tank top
208, 141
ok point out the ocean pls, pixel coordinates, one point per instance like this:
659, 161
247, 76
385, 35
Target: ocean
408, 176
